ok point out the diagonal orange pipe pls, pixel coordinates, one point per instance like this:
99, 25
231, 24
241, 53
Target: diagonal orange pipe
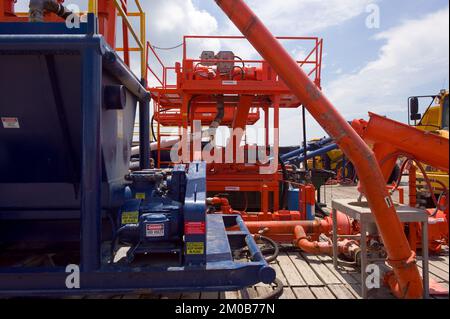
400, 255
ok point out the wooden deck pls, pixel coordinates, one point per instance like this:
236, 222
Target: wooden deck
306, 276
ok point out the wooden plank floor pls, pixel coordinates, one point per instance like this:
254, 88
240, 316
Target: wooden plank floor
311, 277
314, 277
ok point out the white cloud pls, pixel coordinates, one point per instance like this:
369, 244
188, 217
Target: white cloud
294, 18
178, 17
167, 22
291, 17
414, 55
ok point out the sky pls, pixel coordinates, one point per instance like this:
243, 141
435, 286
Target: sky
366, 67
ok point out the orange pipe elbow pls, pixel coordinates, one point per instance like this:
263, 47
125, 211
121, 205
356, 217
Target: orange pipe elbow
312, 247
224, 204
349, 248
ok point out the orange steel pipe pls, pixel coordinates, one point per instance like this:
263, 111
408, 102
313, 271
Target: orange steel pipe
390, 137
223, 202
315, 227
401, 258
312, 247
349, 248
288, 227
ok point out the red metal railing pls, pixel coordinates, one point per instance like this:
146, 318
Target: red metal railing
313, 58
162, 80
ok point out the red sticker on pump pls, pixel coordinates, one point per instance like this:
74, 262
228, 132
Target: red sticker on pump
194, 228
154, 230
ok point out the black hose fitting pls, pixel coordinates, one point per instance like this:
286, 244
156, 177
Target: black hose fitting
38, 7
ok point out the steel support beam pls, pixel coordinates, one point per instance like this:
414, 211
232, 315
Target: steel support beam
91, 168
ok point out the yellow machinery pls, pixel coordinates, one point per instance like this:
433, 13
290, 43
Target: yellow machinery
333, 161
435, 120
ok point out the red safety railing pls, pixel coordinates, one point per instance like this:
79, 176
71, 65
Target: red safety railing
162, 78
313, 59
316, 45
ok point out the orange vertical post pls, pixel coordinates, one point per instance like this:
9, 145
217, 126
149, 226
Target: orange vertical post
407, 282
265, 199
126, 47
107, 14
266, 125
240, 123
7, 9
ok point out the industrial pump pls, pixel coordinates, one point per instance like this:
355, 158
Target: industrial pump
151, 220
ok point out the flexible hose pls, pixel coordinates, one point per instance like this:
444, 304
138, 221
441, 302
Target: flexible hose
242, 61
190, 106
245, 194
276, 293
320, 212
445, 193
400, 175
411, 158
275, 248
427, 181
242, 72
284, 183
153, 128
116, 237
37, 8
220, 113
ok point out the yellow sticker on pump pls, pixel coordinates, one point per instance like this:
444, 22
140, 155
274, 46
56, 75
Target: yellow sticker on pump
130, 218
195, 248
140, 196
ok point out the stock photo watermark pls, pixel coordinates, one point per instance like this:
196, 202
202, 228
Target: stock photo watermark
373, 279
373, 20
73, 21
202, 145
73, 277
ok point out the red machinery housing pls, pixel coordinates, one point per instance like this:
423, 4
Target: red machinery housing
223, 89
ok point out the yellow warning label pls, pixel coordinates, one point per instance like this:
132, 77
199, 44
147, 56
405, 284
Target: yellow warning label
193, 248
140, 195
130, 218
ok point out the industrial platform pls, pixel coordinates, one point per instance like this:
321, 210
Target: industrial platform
175, 213
306, 276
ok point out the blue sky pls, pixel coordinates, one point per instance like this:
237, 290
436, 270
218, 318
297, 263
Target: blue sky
364, 69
